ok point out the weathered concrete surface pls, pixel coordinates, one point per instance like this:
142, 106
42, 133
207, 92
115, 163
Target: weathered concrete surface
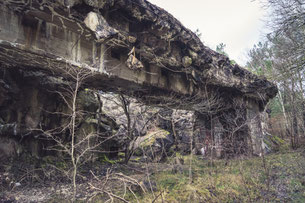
48, 35
132, 47
30, 106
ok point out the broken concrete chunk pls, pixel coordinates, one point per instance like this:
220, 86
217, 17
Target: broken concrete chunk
132, 39
193, 54
99, 26
99, 3
187, 61
133, 63
92, 21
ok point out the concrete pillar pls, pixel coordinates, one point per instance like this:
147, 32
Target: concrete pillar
219, 133
237, 130
255, 127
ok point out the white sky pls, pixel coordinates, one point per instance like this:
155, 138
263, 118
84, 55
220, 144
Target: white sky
237, 23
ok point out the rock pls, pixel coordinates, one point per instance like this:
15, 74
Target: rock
193, 54
186, 61
154, 144
133, 63
183, 127
132, 39
99, 26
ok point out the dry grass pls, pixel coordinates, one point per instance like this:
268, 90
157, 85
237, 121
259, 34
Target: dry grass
238, 180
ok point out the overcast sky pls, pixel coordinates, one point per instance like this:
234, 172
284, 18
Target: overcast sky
237, 23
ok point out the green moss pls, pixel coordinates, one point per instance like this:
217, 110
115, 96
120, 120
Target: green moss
136, 159
278, 140
151, 137
105, 159
121, 154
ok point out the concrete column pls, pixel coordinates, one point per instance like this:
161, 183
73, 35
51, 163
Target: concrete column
255, 127
219, 133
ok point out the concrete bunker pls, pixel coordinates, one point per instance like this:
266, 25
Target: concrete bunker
135, 48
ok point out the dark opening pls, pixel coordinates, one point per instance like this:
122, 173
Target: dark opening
115, 54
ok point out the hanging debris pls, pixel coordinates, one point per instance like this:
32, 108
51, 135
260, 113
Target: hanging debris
132, 62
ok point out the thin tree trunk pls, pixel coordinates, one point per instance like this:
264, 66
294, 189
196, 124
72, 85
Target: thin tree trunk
294, 124
303, 100
128, 151
73, 137
175, 134
191, 155
284, 111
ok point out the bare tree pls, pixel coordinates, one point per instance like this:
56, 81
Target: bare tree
281, 59
129, 144
133, 116
79, 142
